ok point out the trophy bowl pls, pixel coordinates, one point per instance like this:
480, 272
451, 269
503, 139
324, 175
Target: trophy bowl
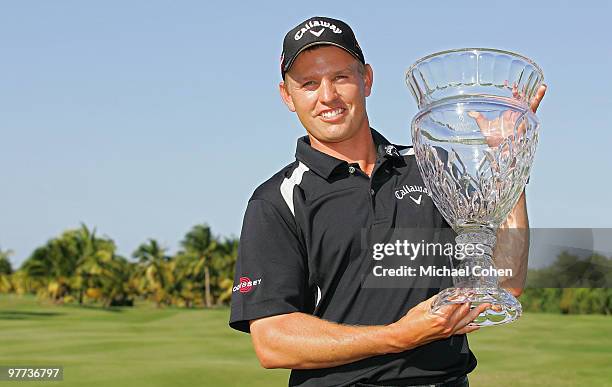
475, 138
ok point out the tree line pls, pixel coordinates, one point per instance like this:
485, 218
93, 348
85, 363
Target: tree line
571, 285
80, 266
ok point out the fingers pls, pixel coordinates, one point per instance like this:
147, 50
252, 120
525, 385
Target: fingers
535, 103
448, 311
481, 120
471, 316
515, 92
460, 317
431, 300
426, 305
467, 329
465, 316
458, 313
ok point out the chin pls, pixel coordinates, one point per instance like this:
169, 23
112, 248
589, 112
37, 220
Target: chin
334, 133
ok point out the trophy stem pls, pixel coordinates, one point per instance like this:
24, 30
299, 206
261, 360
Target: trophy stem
474, 253
476, 282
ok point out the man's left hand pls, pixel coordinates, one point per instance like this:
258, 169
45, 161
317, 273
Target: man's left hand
535, 102
498, 129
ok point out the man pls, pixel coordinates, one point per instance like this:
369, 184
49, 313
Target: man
301, 261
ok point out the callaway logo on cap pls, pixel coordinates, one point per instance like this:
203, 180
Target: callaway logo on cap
314, 31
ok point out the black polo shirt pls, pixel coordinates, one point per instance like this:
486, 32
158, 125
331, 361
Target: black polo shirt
305, 247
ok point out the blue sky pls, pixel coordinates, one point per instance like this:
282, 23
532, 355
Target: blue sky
143, 118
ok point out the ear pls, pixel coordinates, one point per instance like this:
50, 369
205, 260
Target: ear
287, 99
368, 78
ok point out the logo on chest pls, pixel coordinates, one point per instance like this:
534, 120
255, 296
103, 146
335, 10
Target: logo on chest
413, 192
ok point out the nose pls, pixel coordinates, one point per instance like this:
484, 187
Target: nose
327, 92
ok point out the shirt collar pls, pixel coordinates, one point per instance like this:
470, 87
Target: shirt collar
324, 165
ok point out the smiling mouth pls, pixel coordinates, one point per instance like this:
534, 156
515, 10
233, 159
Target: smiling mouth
333, 113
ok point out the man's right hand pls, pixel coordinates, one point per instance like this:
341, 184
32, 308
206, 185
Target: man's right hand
302, 341
420, 326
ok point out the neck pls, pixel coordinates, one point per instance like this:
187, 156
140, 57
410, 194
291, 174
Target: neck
358, 149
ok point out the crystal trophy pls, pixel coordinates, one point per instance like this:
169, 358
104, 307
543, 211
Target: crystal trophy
474, 139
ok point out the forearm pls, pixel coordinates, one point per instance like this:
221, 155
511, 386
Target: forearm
302, 341
518, 217
512, 247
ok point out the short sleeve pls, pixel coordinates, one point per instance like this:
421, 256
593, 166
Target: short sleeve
271, 271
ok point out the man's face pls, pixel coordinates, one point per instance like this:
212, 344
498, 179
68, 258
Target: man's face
327, 87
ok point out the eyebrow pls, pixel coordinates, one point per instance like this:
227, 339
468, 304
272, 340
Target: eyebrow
348, 68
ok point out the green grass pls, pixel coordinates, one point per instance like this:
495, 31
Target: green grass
145, 346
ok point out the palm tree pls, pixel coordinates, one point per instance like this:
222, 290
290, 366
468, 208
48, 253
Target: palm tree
5, 264
5, 270
91, 251
200, 241
153, 270
87, 261
223, 269
53, 265
64, 263
111, 275
184, 289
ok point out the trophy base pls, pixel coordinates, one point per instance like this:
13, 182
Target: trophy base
504, 309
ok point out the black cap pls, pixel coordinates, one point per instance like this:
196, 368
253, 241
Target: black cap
314, 31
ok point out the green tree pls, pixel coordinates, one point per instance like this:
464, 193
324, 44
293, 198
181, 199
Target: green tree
185, 289
156, 278
53, 265
60, 267
92, 252
200, 241
112, 276
571, 284
5, 271
223, 269
5, 263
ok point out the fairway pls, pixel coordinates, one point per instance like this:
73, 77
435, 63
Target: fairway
145, 346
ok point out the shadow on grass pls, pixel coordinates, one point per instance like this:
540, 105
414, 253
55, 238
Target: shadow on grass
114, 309
23, 315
